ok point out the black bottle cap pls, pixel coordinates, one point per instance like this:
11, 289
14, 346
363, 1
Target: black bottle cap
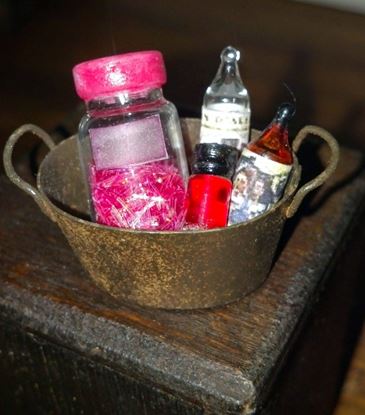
217, 159
284, 113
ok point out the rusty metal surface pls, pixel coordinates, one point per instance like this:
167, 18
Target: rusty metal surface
190, 269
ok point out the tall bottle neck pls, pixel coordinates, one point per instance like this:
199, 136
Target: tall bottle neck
125, 99
276, 131
227, 70
279, 125
273, 143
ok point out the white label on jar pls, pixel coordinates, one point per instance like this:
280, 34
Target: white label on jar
131, 143
225, 124
258, 184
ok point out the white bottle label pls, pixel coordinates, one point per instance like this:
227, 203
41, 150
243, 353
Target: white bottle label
225, 124
128, 144
258, 184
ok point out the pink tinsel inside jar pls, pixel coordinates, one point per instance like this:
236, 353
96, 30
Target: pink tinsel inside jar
149, 197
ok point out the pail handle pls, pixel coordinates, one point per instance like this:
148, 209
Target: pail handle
9, 168
322, 177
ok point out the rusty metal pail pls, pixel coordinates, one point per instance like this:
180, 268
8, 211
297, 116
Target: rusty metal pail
182, 270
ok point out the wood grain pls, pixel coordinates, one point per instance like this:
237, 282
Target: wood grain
45, 378
352, 399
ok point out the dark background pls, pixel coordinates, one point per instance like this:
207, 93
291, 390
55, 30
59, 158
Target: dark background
318, 51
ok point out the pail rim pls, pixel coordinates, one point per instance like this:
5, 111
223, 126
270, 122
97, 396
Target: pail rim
288, 194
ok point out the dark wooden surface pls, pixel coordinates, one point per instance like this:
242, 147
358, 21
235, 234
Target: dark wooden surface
40, 377
352, 399
314, 370
221, 361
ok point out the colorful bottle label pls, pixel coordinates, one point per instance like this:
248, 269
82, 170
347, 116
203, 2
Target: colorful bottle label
128, 144
258, 184
225, 124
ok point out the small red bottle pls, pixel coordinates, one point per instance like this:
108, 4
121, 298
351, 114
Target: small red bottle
210, 186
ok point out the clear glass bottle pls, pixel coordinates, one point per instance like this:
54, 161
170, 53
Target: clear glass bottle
130, 143
226, 110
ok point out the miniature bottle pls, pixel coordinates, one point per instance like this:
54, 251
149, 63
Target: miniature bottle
130, 143
226, 107
210, 186
263, 169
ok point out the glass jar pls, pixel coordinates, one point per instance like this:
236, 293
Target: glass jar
130, 143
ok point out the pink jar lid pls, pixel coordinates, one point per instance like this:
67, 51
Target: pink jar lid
126, 72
